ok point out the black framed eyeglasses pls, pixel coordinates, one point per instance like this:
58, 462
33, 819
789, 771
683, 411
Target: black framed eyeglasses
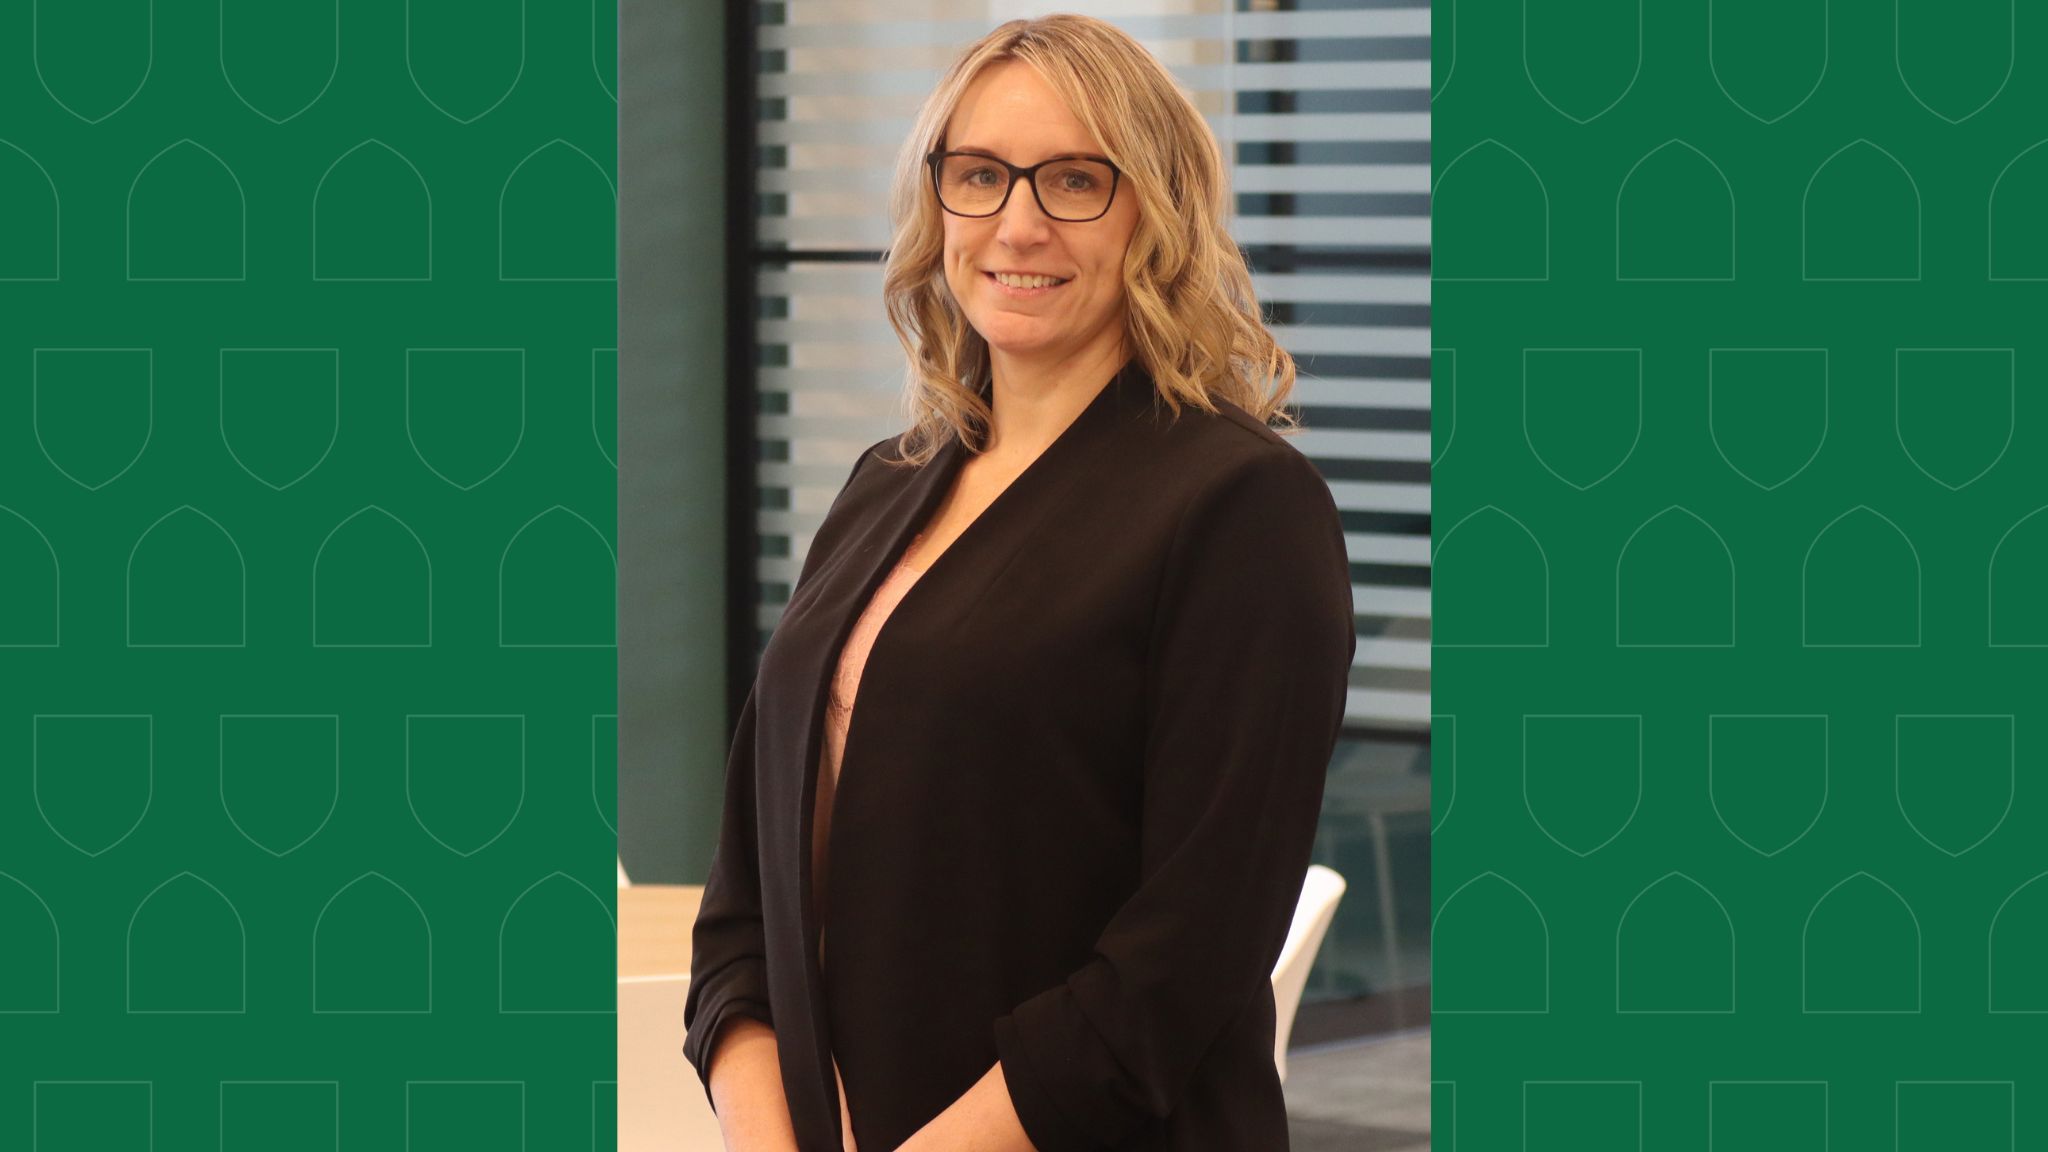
1073, 189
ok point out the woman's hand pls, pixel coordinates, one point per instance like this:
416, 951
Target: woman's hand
983, 1120
746, 1086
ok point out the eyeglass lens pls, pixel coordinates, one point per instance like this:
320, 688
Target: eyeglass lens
1068, 189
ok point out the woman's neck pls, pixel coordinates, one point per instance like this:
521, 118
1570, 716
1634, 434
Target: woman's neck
1034, 401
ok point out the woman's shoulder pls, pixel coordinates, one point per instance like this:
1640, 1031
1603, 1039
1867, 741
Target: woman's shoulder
861, 496
880, 465
1230, 433
871, 482
1206, 452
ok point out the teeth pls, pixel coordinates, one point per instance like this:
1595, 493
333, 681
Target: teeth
1026, 281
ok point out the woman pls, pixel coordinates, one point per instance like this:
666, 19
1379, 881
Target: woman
1071, 813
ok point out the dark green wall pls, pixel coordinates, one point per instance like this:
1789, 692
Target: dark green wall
672, 696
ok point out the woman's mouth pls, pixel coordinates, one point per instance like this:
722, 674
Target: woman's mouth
1025, 287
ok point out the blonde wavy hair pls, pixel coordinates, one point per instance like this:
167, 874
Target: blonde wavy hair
1190, 316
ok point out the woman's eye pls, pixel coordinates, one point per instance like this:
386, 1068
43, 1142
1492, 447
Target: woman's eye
975, 175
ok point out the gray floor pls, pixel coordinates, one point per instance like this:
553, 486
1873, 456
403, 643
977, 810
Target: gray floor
1367, 1096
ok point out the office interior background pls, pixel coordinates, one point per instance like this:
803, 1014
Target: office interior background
766, 384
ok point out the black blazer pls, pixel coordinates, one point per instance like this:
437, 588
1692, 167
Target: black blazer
1078, 793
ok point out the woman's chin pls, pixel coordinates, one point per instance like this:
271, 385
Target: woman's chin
1004, 335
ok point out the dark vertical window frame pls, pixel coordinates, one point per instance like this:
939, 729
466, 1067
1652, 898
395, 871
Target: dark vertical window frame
742, 483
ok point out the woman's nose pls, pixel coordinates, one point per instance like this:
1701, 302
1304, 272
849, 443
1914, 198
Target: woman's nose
1022, 223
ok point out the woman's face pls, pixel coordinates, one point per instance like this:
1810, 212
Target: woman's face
1012, 113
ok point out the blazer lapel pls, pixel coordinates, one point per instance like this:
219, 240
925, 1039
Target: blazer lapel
809, 655
806, 659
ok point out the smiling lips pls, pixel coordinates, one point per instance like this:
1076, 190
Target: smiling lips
1013, 284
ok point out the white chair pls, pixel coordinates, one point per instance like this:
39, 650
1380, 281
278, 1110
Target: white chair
1320, 891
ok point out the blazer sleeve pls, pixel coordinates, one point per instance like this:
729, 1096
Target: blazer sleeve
1246, 680
728, 954
728, 949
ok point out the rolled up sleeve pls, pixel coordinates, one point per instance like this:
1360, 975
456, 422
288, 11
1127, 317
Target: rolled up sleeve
1247, 672
728, 954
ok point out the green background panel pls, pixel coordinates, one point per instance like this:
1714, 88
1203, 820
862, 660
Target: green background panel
308, 552
1738, 596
